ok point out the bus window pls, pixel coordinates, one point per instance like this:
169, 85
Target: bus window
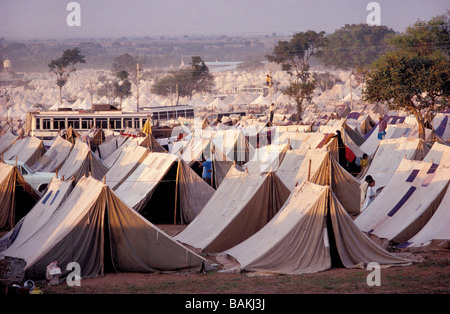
127, 122
115, 123
59, 123
74, 122
101, 123
46, 124
190, 113
87, 123
163, 115
137, 124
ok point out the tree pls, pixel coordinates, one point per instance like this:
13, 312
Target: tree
425, 37
294, 58
64, 66
128, 63
122, 88
414, 76
185, 82
356, 46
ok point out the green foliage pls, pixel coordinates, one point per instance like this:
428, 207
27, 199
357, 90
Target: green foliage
293, 56
187, 81
64, 66
425, 37
122, 88
355, 46
127, 63
415, 76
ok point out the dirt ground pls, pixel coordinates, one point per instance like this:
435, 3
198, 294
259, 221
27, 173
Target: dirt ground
429, 276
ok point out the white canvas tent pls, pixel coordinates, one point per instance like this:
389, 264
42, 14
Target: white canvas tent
267, 158
109, 145
439, 154
406, 203
241, 205
129, 159
82, 162
54, 157
299, 166
28, 150
311, 233
435, 235
17, 197
94, 228
389, 155
56, 193
181, 192
7, 140
111, 159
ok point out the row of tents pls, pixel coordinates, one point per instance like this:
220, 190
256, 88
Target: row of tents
285, 207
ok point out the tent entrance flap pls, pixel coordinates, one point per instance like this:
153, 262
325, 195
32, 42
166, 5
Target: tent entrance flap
332, 247
160, 208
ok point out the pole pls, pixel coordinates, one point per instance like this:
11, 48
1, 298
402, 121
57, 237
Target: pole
176, 193
137, 87
351, 93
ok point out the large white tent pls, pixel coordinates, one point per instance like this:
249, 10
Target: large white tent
54, 157
92, 222
389, 155
242, 204
407, 202
302, 236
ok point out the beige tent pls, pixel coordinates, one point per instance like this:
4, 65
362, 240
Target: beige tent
82, 162
435, 235
95, 229
7, 140
110, 144
266, 158
311, 233
439, 154
165, 189
17, 197
344, 185
57, 191
300, 165
406, 203
54, 157
241, 205
28, 150
127, 162
131, 142
389, 155
152, 144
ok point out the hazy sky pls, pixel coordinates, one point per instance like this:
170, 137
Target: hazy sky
28, 19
